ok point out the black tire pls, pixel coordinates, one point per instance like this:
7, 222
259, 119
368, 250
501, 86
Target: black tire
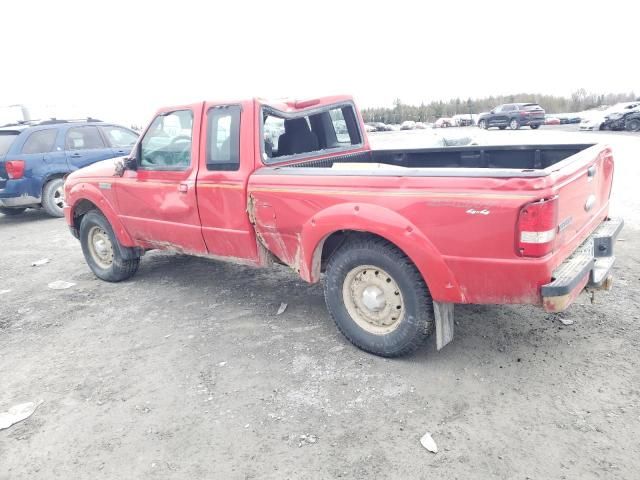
11, 211
52, 198
118, 268
502, 127
514, 124
534, 127
633, 125
416, 322
483, 124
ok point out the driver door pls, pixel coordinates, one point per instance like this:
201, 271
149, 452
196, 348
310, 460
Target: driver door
157, 202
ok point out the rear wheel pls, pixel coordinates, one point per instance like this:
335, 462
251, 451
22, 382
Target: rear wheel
53, 197
533, 127
377, 297
102, 251
9, 211
633, 125
514, 124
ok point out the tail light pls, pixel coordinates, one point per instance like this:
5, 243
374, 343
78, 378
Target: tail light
537, 226
14, 168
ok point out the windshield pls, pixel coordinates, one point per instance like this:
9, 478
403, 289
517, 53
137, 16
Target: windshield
6, 139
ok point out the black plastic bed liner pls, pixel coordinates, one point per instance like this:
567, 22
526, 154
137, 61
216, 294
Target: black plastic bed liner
521, 157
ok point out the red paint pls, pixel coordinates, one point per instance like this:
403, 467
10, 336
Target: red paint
464, 257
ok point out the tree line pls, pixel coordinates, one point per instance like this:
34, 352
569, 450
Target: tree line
429, 112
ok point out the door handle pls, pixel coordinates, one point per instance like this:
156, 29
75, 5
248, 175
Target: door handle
183, 188
76, 155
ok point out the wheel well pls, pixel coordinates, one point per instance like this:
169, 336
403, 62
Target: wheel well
331, 243
82, 208
53, 176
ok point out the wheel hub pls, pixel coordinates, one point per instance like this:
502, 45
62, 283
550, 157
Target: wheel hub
58, 197
100, 247
373, 299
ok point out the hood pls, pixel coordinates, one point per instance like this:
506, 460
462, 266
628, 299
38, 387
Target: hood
105, 168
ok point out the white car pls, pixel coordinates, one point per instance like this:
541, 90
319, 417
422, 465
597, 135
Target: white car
593, 120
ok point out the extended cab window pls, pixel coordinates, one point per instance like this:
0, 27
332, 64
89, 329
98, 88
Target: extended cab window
84, 138
42, 141
287, 135
167, 143
223, 138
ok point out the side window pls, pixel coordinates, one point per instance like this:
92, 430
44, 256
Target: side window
273, 128
42, 141
508, 108
498, 109
84, 138
340, 126
119, 137
223, 138
167, 143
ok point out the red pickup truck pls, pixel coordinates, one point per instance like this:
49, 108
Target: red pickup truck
401, 235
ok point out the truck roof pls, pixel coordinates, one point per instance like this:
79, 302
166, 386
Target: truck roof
293, 105
286, 105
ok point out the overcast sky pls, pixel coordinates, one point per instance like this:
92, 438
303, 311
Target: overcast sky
120, 60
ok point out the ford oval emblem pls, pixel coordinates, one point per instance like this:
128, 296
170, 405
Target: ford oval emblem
591, 200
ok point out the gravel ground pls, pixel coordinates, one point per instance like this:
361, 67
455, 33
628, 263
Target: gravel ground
186, 371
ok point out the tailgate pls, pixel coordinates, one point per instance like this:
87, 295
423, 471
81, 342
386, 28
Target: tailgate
583, 186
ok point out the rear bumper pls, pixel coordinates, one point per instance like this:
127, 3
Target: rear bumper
589, 266
22, 201
19, 193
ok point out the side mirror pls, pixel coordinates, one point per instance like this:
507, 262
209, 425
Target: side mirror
492, 112
126, 163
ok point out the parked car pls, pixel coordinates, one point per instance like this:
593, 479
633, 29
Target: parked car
421, 126
443, 122
401, 234
408, 125
464, 120
595, 120
618, 120
549, 120
35, 156
632, 122
513, 115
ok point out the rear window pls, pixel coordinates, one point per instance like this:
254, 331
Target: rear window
531, 106
6, 139
329, 128
41, 141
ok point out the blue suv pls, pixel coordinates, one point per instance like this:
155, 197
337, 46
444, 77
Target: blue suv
35, 156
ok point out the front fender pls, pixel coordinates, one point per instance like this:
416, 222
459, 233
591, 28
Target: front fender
387, 224
87, 191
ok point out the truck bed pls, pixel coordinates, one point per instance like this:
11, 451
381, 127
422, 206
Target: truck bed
494, 161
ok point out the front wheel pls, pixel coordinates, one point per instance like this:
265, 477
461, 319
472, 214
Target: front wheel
483, 124
11, 211
514, 124
377, 297
533, 127
102, 251
633, 125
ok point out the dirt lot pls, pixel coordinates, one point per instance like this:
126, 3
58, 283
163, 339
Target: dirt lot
186, 372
